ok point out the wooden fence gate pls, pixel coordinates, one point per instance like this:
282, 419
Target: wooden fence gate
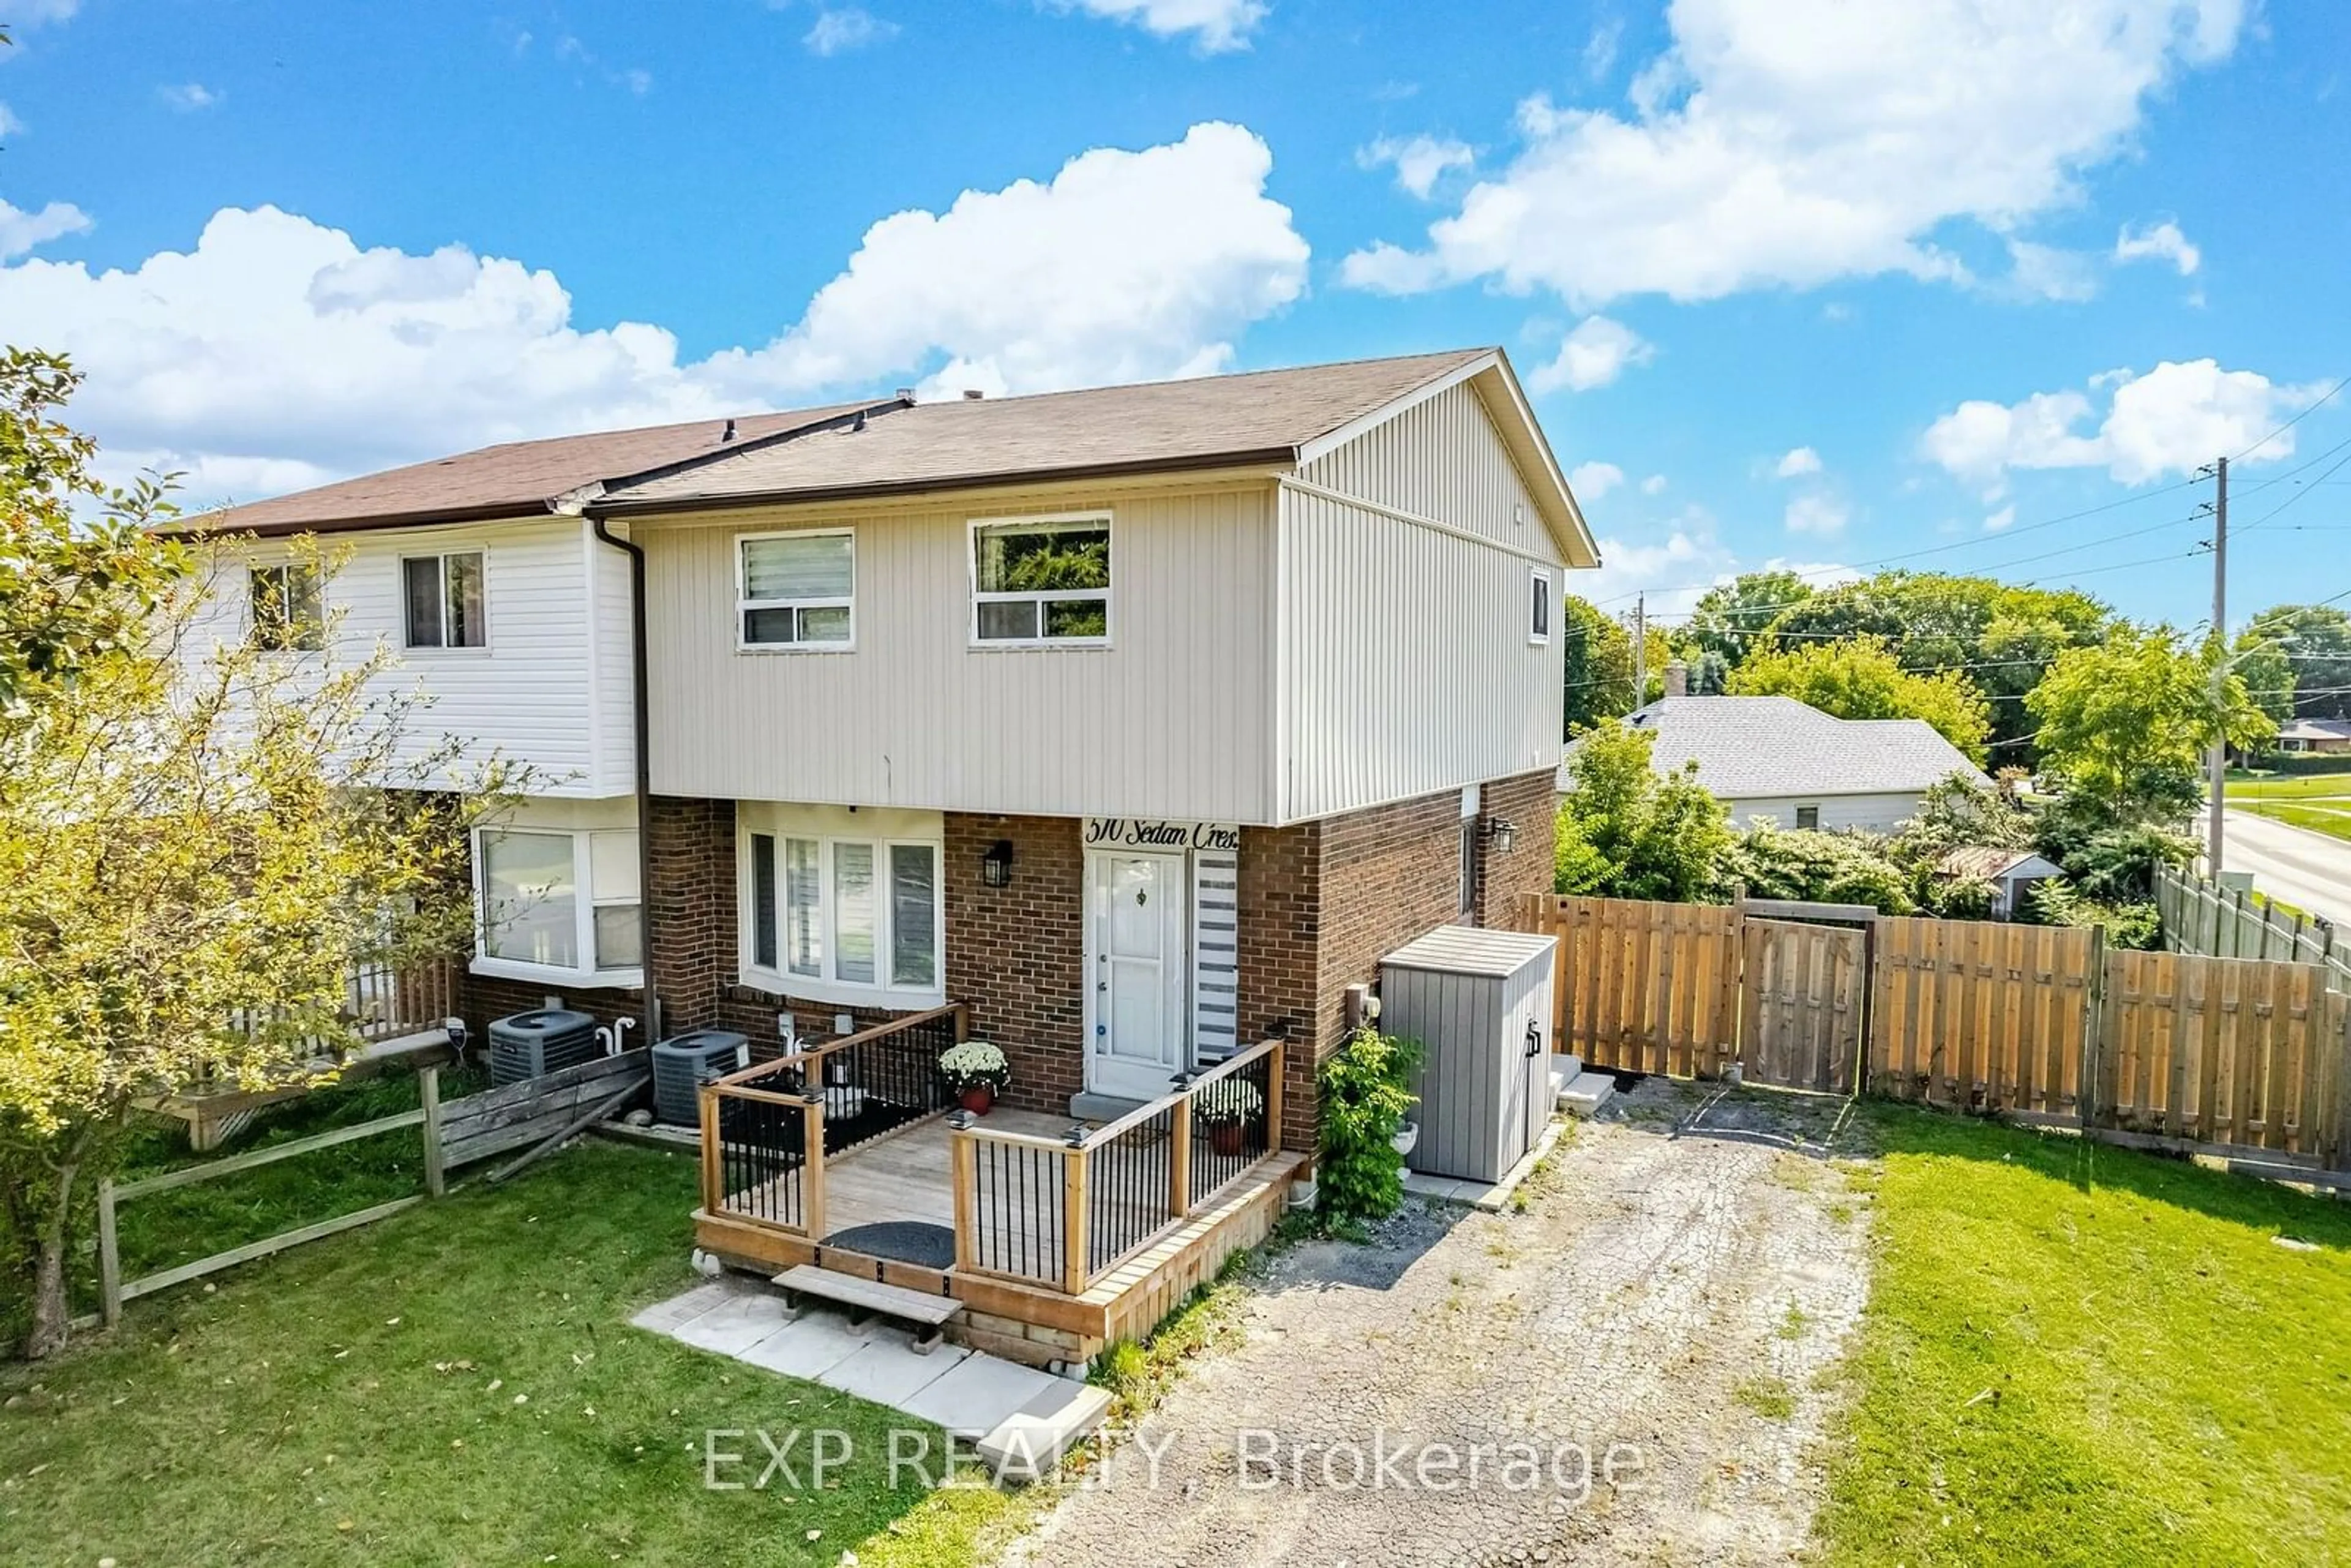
1802, 1004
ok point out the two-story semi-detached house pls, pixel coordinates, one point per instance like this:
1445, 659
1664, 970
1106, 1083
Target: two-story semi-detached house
1141, 720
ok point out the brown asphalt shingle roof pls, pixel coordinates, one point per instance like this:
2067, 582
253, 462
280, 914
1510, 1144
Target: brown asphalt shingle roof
1262, 415
516, 478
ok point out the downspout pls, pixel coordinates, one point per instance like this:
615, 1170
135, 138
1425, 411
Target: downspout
642, 742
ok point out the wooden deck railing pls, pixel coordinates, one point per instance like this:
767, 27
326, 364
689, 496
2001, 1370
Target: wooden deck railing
1062, 1213
768, 1129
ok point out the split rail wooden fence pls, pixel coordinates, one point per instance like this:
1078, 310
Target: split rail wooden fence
2248, 1058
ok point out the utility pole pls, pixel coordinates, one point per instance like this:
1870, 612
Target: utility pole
1640, 650
2214, 811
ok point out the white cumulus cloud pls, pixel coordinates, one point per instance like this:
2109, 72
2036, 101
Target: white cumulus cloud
1797, 462
1796, 143
849, 27
1420, 160
190, 98
2163, 242
1214, 25
1590, 481
20, 231
1599, 350
2171, 421
277, 351
1818, 513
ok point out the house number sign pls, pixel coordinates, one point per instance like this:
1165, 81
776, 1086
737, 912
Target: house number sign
1153, 834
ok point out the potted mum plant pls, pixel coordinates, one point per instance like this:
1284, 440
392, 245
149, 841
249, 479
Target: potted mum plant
1224, 1108
976, 1073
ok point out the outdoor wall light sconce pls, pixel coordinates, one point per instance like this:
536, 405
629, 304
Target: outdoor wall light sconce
1503, 832
996, 866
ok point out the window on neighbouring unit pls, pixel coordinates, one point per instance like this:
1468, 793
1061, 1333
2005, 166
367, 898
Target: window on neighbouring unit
846, 913
1808, 816
1539, 606
287, 616
533, 913
1042, 579
797, 591
444, 594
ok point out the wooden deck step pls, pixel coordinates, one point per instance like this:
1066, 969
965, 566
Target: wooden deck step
869, 1295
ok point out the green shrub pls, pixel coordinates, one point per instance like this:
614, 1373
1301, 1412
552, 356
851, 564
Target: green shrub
1363, 1093
2058, 903
1811, 866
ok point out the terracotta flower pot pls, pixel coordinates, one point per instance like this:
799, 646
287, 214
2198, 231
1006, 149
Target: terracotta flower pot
978, 1098
1226, 1137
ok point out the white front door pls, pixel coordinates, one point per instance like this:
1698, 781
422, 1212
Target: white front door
1134, 960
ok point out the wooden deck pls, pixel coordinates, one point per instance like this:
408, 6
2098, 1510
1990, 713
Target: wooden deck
908, 1175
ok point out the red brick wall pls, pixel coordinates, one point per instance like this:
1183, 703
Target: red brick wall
1279, 957
1531, 802
1017, 953
691, 908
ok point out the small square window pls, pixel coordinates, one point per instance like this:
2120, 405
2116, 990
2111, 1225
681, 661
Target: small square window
444, 595
1046, 581
797, 590
1808, 816
287, 616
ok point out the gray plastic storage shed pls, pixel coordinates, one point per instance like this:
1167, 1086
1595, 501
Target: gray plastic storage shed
1479, 1004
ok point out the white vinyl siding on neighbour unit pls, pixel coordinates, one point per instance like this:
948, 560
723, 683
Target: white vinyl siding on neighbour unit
445, 601
797, 589
1173, 720
549, 696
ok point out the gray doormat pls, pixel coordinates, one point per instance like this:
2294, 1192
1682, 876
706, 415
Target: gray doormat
901, 1241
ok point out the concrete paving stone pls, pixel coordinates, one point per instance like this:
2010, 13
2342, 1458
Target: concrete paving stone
982, 1392
662, 1317
813, 1345
888, 1372
735, 1324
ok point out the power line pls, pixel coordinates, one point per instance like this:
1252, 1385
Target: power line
2326, 398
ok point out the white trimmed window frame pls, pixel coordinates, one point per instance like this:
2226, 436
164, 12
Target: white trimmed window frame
826, 986
1106, 517
745, 604
441, 559
585, 901
289, 630
1542, 605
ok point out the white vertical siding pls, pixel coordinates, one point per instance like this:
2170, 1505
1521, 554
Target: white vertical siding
1409, 662
614, 667
530, 695
1173, 720
1441, 459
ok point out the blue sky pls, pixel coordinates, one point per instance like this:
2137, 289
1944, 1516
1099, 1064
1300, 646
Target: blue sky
1793, 284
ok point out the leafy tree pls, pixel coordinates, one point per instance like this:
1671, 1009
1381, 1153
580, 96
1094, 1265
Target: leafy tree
2260, 662
193, 832
1960, 812
1999, 637
1863, 679
1804, 864
1729, 618
1709, 673
2125, 727
1626, 832
1599, 679
2316, 641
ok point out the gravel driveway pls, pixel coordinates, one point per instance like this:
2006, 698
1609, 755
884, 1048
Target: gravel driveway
1679, 1277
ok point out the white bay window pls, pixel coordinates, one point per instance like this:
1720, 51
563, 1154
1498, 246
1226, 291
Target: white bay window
558, 903
842, 906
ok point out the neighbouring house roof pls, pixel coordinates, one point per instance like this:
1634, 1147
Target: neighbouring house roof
2315, 729
1989, 865
516, 478
1749, 749
1274, 418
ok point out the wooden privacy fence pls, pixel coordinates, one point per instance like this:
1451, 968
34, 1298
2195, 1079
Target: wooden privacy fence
2247, 1057
2202, 916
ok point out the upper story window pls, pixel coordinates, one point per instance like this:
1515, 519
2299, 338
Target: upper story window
1539, 605
839, 917
1042, 579
288, 614
1808, 816
797, 589
444, 594
562, 904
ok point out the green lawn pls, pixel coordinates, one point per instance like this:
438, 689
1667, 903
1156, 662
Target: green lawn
2327, 816
456, 1386
2078, 1355
2289, 787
